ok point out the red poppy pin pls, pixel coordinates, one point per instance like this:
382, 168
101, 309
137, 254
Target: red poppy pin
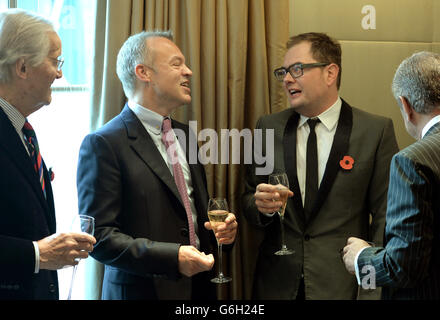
347, 163
51, 174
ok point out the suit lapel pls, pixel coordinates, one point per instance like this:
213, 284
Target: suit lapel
289, 146
339, 148
145, 148
16, 150
49, 200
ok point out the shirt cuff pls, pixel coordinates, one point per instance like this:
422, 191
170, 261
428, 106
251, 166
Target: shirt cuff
37, 257
356, 267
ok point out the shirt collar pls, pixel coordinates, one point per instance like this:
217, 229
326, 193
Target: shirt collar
16, 118
151, 120
329, 118
430, 124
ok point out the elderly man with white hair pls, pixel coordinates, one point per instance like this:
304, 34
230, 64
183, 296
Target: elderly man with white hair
407, 267
30, 251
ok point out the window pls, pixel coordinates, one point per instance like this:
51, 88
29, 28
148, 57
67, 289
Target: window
62, 125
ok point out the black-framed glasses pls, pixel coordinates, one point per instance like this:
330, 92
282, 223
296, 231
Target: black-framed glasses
296, 70
60, 62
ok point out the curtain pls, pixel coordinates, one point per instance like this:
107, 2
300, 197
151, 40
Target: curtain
232, 47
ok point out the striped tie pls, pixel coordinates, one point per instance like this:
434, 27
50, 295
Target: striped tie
179, 179
34, 151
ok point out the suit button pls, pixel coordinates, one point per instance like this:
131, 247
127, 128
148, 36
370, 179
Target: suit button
307, 237
52, 288
184, 232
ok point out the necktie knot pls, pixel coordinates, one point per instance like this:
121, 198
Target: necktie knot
166, 125
28, 130
312, 123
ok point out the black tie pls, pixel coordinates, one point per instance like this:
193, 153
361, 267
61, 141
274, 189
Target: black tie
311, 168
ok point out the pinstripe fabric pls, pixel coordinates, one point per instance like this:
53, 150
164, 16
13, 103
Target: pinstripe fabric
16, 118
409, 266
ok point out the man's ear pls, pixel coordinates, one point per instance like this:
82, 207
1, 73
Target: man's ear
407, 109
332, 73
21, 68
143, 73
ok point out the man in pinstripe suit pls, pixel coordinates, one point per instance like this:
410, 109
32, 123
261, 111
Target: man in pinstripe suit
409, 265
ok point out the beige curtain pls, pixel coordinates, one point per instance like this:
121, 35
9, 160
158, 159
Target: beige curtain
231, 46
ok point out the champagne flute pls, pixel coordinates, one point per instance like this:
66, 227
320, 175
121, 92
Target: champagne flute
81, 223
281, 181
217, 214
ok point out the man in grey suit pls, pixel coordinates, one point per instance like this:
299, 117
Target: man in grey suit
152, 226
408, 266
354, 150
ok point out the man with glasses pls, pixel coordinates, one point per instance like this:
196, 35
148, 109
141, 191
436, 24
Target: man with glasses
30, 251
337, 159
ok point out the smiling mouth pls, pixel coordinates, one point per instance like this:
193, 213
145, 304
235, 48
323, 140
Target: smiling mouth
293, 92
186, 87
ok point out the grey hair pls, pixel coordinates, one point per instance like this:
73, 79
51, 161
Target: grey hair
418, 80
134, 51
22, 35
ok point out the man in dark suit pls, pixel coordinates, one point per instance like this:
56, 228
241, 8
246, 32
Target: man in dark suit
152, 241
30, 252
347, 185
408, 266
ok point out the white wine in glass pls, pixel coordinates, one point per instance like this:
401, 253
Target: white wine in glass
217, 213
281, 181
81, 223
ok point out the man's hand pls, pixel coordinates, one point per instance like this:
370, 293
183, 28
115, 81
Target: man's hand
354, 245
192, 261
225, 232
267, 198
63, 249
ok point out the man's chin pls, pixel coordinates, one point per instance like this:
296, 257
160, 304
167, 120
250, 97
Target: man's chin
295, 105
187, 100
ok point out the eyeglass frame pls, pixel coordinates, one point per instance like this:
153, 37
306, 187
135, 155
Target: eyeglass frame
302, 67
60, 62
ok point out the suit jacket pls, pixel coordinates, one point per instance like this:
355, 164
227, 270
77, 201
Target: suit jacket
408, 267
26, 216
345, 200
141, 222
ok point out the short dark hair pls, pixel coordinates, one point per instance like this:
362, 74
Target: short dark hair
323, 48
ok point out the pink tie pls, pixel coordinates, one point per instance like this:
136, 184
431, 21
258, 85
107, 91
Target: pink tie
168, 141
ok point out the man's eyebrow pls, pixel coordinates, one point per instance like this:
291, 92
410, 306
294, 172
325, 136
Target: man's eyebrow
176, 58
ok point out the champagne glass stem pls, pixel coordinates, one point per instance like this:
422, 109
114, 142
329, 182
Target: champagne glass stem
71, 282
220, 257
283, 243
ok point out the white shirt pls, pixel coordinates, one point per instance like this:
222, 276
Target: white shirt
425, 129
18, 120
325, 133
430, 124
152, 122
